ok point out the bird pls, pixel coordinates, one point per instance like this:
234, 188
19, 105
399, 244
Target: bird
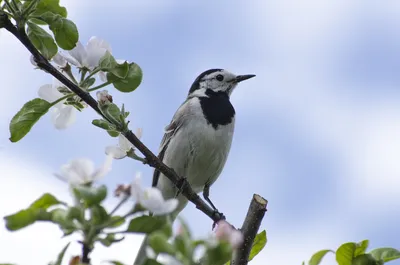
198, 139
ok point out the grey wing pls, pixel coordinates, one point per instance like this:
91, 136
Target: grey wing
170, 131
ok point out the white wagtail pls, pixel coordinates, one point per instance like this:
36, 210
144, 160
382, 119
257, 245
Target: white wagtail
197, 141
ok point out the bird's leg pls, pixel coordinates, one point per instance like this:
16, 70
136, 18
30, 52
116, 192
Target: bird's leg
206, 195
181, 184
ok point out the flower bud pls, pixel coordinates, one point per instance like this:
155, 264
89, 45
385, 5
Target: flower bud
104, 98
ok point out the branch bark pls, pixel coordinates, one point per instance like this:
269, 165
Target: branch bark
250, 227
151, 158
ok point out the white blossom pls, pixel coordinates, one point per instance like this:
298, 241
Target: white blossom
81, 171
103, 97
124, 146
89, 55
225, 231
151, 198
62, 115
59, 59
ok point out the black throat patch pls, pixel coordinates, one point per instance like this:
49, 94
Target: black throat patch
217, 108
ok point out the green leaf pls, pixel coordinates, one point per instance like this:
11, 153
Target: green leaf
45, 201
258, 244
99, 215
52, 6
145, 224
109, 240
115, 262
88, 83
90, 195
385, 254
25, 218
64, 30
361, 247
317, 257
219, 254
60, 217
167, 230
107, 63
130, 82
151, 262
183, 245
113, 133
365, 259
61, 255
27, 8
42, 40
35, 212
159, 243
116, 221
74, 213
103, 124
28, 115
345, 253
113, 110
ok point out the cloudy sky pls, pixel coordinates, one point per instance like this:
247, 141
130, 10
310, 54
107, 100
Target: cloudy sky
317, 131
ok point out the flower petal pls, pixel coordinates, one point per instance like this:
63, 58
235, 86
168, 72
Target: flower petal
48, 93
69, 174
78, 171
78, 55
236, 238
115, 151
103, 169
167, 259
167, 207
136, 188
82, 166
152, 200
59, 60
95, 42
63, 116
93, 57
96, 48
150, 253
32, 60
124, 143
103, 76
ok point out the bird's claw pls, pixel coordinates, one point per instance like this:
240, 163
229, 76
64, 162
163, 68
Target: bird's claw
218, 216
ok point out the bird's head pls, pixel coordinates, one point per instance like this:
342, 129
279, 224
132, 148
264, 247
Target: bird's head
216, 80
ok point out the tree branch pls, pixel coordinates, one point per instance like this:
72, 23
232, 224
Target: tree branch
250, 227
151, 159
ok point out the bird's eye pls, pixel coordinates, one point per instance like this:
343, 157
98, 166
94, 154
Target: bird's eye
219, 77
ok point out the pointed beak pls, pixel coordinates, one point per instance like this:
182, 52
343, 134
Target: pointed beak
241, 78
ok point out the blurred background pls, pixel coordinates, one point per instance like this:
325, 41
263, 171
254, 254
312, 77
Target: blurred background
317, 131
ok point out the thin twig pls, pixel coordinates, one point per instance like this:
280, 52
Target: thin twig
85, 253
151, 158
251, 224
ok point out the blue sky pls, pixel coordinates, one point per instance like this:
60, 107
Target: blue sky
317, 131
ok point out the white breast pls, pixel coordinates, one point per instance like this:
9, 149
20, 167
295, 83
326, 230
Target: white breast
197, 151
